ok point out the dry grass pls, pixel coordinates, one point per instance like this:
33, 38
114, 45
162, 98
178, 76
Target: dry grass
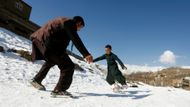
166, 77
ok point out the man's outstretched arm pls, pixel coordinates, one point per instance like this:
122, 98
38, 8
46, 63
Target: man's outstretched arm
78, 43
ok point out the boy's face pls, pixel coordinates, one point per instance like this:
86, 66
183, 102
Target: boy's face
108, 50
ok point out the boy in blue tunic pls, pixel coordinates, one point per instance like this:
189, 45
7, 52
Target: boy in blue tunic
114, 74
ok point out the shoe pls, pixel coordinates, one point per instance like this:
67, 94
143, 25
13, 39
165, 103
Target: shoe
37, 85
61, 93
115, 87
125, 86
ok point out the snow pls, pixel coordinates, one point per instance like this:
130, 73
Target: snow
138, 68
185, 67
9, 40
90, 87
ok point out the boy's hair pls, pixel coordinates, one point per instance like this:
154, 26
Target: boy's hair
78, 19
108, 46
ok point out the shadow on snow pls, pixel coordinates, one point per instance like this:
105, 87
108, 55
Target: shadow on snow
130, 94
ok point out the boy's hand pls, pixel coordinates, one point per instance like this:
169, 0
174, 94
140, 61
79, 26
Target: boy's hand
89, 58
124, 68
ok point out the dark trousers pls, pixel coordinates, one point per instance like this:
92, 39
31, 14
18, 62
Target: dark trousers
66, 67
114, 74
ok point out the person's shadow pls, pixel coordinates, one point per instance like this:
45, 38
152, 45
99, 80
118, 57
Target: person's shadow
130, 94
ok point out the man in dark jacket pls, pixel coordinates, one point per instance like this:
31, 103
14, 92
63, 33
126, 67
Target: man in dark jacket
49, 43
114, 74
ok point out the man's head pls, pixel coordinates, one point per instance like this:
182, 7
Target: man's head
79, 22
108, 49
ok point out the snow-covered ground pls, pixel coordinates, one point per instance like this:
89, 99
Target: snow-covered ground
90, 87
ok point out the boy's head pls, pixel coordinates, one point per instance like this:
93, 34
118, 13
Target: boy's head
108, 49
79, 21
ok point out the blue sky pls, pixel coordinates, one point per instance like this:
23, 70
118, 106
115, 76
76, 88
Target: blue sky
139, 30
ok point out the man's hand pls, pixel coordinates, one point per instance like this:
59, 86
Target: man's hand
89, 58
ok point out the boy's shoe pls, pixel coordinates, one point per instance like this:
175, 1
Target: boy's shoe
115, 87
125, 86
37, 85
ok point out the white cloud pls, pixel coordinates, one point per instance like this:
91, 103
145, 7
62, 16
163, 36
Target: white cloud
168, 57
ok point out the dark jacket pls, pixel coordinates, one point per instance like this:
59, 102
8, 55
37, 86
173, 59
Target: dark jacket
111, 60
54, 37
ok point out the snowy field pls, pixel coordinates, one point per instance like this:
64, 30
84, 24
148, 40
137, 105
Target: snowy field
90, 87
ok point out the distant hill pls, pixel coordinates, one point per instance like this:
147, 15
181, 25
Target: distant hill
174, 77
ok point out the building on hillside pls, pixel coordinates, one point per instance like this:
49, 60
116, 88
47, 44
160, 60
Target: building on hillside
15, 16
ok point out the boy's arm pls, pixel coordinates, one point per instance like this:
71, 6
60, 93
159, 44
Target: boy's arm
100, 58
120, 62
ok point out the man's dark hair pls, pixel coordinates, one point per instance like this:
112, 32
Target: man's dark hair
78, 19
108, 46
